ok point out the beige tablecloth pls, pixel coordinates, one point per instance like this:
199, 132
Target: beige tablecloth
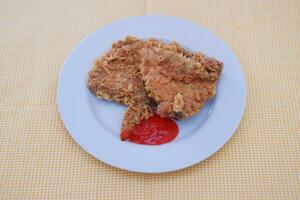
39, 159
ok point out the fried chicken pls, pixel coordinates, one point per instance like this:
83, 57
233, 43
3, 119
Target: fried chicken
115, 77
179, 81
154, 77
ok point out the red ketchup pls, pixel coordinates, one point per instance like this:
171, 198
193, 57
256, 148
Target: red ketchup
155, 130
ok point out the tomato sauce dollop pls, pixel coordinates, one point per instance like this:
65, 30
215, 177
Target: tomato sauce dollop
155, 130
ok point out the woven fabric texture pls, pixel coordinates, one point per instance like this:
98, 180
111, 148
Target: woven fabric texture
40, 160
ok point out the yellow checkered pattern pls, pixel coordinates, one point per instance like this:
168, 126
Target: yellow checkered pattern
39, 159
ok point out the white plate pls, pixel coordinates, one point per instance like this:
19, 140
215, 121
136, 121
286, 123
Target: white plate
95, 124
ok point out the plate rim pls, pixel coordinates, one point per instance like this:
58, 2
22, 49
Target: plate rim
62, 115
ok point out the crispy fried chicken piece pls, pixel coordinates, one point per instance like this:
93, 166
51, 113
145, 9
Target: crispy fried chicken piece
152, 76
115, 77
179, 82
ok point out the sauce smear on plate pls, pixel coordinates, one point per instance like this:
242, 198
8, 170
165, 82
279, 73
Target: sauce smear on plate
155, 130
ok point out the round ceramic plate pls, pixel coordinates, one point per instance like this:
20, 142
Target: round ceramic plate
95, 124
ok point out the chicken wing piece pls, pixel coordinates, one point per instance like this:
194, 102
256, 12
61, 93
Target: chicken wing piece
179, 81
115, 77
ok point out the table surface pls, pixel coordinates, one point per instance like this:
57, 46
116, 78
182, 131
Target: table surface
40, 160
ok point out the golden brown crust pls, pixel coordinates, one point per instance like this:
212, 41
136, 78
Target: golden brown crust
168, 70
115, 77
136, 72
